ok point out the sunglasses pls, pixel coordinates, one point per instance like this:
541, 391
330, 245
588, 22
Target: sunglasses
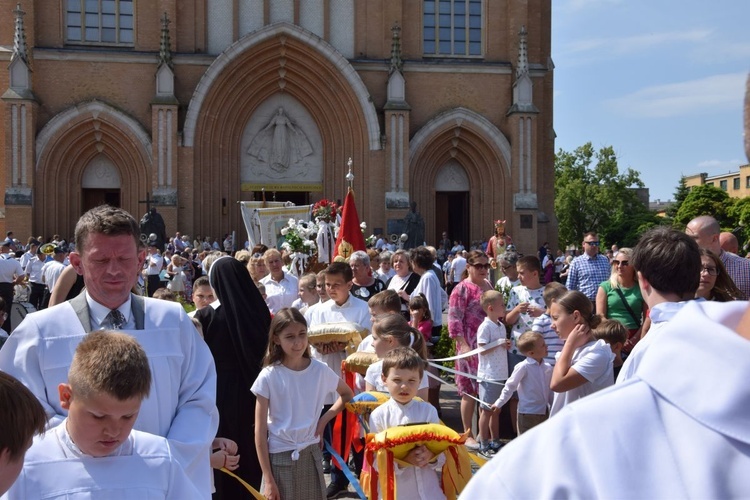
480, 266
620, 263
592, 243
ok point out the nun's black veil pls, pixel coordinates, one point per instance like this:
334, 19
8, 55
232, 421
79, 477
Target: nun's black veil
237, 333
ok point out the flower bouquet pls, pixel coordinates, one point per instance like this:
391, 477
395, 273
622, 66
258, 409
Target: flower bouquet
298, 243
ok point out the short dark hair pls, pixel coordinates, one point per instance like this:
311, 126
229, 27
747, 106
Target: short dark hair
611, 331
202, 281
21, 415
552, 291
107, 220
341, 269
529, 263
669, 260
422, 257
403, 358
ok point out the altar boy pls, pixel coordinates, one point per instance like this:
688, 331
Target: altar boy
95, 452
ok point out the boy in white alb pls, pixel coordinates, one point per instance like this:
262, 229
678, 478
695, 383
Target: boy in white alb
492, 369
94, 452
402, 371
668, 266
664, 402
532, 380
342, 306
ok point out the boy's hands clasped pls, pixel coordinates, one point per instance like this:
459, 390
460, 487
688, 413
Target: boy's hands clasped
419, 456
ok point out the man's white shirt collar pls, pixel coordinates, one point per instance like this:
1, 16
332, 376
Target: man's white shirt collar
97, 312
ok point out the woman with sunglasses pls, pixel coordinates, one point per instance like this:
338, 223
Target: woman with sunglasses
620, 298
715, 283
464, 317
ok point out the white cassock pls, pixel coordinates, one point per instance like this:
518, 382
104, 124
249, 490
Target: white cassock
411, 482
182, 403
680, 428
354, 310
142, 468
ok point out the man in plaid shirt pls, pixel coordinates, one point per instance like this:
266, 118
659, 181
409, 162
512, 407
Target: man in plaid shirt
587, 271
705, 231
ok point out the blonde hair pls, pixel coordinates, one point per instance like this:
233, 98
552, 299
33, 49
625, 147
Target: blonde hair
112, 363
387, 300
627, 252
527, 340
490, 297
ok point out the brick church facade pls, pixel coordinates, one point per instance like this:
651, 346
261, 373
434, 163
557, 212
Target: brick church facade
202, 103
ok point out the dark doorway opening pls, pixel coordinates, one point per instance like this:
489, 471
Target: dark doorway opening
452, 215
296, 197
94, 197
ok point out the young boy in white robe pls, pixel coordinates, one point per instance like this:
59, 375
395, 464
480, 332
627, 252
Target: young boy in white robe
95, 451
402, 372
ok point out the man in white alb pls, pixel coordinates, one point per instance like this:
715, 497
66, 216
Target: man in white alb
181, 406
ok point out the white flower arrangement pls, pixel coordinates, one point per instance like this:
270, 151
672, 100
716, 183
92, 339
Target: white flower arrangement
297, 236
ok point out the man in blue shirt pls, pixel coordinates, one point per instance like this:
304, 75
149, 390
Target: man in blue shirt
587, 271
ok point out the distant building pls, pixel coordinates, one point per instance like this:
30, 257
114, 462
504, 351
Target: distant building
736, 184
660, 207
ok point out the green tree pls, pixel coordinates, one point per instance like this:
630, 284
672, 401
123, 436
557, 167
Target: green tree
680, 193
705, 200
592, 194
739, 214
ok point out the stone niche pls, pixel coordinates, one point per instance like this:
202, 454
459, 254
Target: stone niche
281, 148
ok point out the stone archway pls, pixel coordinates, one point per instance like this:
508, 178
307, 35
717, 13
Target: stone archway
281, 59
465, 137
66, 146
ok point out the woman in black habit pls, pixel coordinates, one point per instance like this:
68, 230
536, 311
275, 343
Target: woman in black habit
236, 331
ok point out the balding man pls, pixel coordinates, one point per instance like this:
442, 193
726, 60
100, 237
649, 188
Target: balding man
729, 243
705, 231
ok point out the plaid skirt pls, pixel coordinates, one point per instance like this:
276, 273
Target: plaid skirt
299, 479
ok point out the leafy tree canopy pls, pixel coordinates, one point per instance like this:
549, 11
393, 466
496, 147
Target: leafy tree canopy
592, 194
705, 200
680, 194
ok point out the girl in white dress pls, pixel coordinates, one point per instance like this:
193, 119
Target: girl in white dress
291, 390
174, 269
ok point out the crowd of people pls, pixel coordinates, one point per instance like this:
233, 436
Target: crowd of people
564, 344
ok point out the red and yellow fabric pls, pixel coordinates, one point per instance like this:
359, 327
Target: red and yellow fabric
394, 444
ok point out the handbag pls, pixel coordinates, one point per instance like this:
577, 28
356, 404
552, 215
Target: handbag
627, 306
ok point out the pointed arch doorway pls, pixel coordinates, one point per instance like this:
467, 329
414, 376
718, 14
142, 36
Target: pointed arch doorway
100, 184
452, 202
